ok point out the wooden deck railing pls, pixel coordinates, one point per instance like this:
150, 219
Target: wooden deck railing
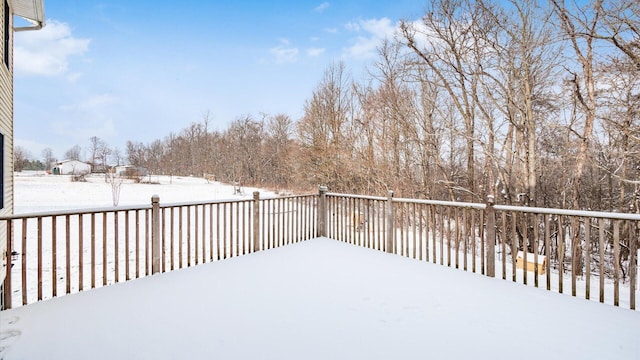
577, 251
57, 253
62, 252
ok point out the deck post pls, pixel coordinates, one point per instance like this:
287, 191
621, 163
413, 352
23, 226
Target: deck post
390, 224
6, 287
155, 234
322, 211
491, 237
256, 221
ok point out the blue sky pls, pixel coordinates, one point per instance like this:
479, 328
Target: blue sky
138, 70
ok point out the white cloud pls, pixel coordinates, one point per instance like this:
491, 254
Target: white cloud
47, 51
322, 7
93, 103
73, 77
331, 30
284, 53
374, 31
89, 117
313, 52
352, 26
83, 130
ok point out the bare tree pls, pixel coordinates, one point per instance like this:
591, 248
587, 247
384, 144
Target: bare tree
73, 153
117, 157
444, 43
48, 158
21, 158
580, 25
322, 130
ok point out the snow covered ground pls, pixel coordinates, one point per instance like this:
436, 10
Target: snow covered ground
319, 299
39, 192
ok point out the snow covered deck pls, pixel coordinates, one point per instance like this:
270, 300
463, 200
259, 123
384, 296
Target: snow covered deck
319, 299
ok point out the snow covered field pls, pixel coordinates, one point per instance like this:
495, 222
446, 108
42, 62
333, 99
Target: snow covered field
40, 192
318, 299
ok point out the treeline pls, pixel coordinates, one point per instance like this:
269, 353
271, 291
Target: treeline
537, 103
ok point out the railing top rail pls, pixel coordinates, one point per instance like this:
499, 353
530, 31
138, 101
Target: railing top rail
481, 206
227, 201
442, 203
96, 210
567, 212
352, 196
204, 202
289, 196
75, 212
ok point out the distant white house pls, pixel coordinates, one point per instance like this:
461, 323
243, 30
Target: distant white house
71, 167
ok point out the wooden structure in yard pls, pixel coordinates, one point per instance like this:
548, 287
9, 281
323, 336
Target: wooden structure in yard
531, 264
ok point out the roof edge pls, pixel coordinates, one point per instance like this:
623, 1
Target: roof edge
31, 10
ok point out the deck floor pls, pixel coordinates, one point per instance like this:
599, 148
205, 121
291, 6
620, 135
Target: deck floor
319, 299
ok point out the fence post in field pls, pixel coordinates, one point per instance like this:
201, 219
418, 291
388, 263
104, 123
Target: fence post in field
256, 221
155, 234
390, 222
322, 211
491, 237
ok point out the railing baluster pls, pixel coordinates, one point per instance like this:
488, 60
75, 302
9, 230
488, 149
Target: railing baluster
587, 257
189, 236
204, 236
67, 220
218, 238
172, 238
180, 244
24, 261
449, 237
147, 242
54, 256
616, 262
210, 232
39, 250
561, 254
633, 264
104, 249
225, 251
80, 252
525, 247
434, 233
164, 239
116, 251
547, 254
196, 238
237, 228
504, 245
456, 215
137, 244
601, 257
126, 246
535, 248
514, 246
93, 250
